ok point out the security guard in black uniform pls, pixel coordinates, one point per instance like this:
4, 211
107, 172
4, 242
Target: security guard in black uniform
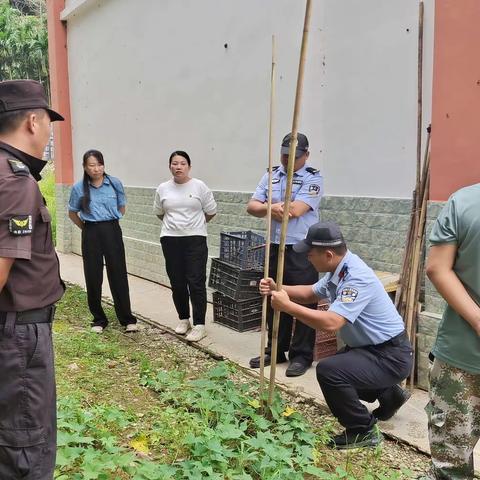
30, 285
307, 189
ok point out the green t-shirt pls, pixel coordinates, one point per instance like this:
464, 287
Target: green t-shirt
459, 222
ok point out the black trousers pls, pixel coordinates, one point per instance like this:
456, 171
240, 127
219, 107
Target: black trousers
186, 264
297, 271
101, 241
363, 373
27, 402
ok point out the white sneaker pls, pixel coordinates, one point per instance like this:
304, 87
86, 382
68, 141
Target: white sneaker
97, 329
198, 332
131, 327
183, 327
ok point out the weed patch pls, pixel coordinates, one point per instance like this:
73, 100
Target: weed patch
148, 407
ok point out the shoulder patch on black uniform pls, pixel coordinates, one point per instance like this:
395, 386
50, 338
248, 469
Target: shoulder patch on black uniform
275, 168
312, 170
20, 225
18, 167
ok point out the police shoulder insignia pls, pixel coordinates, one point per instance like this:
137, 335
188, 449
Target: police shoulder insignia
312, 170
314, 190
275, 168
18, 167
20, 225
348, 295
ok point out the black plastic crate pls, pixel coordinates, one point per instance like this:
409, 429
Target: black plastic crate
245, 249
240, 315
233, 281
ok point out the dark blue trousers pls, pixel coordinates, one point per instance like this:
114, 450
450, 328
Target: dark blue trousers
364, 373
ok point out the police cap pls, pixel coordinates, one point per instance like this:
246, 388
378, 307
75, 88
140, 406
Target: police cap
302, 145
24, 95
321, 234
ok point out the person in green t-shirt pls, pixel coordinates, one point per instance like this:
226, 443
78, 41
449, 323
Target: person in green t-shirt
453, 267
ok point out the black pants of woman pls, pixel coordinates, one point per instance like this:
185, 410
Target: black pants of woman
103, 240
186, 264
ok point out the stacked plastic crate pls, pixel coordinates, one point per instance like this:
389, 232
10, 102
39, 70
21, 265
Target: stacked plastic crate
235, 276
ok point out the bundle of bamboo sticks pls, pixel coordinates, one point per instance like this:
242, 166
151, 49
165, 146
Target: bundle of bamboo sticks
408, 292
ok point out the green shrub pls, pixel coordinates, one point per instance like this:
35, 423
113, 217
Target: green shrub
47, 187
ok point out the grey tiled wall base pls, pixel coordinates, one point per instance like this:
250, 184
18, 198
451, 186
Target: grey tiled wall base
64, 224
375, 228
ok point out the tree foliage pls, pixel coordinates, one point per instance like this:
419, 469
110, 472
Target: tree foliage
24, 41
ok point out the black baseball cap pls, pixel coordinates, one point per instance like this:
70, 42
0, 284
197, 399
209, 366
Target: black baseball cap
321, 234
302, 145
25, 95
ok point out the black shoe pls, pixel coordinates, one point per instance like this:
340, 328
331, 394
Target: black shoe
345, 441
296, 368
255, 361
390, 402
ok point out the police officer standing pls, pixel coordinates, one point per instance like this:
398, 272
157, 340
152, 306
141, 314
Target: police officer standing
307, 190
30, 285
378, 354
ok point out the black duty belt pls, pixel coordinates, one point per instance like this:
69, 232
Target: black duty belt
100, 222
395, 341
39, 315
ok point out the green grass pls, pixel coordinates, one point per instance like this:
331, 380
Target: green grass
145, 407
47, 187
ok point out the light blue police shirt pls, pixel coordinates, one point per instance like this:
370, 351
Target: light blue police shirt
105, 200
356, 293
307, 186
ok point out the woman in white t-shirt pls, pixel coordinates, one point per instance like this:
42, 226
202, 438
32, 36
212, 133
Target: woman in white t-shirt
185, 205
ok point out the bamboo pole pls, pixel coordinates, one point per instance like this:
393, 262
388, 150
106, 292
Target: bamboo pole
413, 331
405, 271
412, 309
419, 95
419, 233
288, 194
403, 293
409, 305
269, 225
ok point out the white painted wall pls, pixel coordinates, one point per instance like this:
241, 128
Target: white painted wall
151, 76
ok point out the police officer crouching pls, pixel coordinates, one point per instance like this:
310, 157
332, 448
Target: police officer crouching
378, 354
30, 285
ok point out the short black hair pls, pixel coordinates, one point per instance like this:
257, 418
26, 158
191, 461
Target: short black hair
10, 121
338, 249
180, 153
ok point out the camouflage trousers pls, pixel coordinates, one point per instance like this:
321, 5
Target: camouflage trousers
453, 421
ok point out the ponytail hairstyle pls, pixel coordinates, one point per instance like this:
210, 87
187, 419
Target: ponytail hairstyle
180, 153
85, 200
